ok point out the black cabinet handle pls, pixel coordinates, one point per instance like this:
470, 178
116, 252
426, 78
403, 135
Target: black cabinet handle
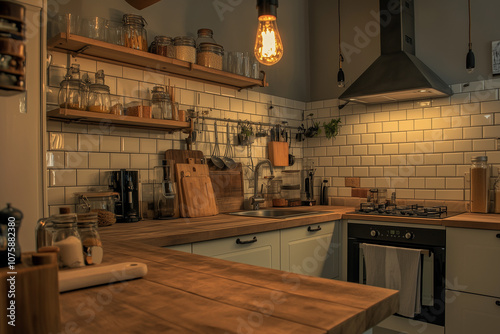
497, 302
310, 229
239, 242
498, 235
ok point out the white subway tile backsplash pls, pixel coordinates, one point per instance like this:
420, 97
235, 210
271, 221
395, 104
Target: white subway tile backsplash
119, 160
483, 144
482, 119
390, 149
55, 195
345, 150
446, 170
462, 145
88, 142
368, 160
110, 69
147, 145
455, 183
62, 141
87, 177
415, 113
432, 112
345, 171
353, 161
139, 161
450, 134
383, 160
425, 194
441, 123
62, 177
425, 171
110, 144
416, 182
443, 146
339, 161
435, 182
382, 138
473, 132
485, 95
422, 124
470, 108
406, 148
367, 118
128, 88
375, 149
353, 139
457, 195
360, 171
360, 150
76, 160
98, 160
433, 159
460, 121
55, 159
383, 116
453, 158
491, 131
457, 99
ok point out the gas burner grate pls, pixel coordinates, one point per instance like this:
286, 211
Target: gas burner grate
413, 210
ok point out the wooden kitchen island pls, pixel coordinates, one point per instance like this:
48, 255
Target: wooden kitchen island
188, 293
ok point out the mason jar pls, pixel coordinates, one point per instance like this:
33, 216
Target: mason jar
72, 90
185, 48
161, 106
210, 55
164, 46
66, 237
91, 240
134, 32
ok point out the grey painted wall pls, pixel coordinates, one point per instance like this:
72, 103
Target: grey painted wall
234, 28
440, 31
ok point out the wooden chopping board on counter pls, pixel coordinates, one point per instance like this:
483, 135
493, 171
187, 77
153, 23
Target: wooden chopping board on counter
228, 188
193, 204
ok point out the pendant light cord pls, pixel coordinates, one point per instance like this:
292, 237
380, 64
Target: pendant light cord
341, 58
470, 43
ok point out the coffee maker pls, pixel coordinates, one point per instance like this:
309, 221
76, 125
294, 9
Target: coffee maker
125, 183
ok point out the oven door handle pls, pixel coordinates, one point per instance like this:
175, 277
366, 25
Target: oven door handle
310, 229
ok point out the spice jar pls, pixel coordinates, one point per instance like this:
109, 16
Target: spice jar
479, 189
72, 90
91, 240
185, 48
210, 55
161, 105
99, 99
164, 46
65, 236
134, 33
205, 36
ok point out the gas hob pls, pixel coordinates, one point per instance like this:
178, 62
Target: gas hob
411, 211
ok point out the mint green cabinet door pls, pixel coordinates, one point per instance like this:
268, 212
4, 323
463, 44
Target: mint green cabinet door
260, 249
311, 250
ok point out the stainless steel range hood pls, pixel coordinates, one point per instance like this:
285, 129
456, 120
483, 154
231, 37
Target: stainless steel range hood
397, 75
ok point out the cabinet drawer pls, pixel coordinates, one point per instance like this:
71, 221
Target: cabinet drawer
311, 250
260, 249
472, 263
467, 313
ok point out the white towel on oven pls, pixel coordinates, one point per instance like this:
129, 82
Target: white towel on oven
395, 268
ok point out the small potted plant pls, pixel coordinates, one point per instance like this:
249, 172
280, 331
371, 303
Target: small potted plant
332, 128
246, 136
313, 129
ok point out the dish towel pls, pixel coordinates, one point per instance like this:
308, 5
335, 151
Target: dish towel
395, 268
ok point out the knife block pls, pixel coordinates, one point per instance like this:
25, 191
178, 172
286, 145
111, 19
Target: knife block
36, 295
278, 153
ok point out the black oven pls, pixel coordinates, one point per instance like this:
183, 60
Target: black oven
431, 240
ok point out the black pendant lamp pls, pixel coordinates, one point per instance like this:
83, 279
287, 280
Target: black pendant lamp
268, 46
470, 61
340, 73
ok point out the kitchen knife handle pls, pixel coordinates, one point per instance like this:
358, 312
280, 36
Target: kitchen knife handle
239, 242
310, 229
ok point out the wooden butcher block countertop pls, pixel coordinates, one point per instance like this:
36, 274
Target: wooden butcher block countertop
485, 221
188, 293
187, 230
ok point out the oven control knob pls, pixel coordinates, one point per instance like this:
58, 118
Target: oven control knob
374, 233
409, 235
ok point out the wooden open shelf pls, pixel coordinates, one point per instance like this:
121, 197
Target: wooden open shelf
116, 54
111, 119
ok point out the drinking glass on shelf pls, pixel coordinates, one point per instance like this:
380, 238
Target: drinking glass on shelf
246, 65
236, 62
254, 68
59, 23
94, 27
113, 32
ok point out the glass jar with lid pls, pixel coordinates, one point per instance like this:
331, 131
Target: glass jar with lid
134, 33
72, 90
479, 184
103, 203
161, 105
99, 99
205, 35
91, 240
163, 45
210, 55
66, 237
185, 48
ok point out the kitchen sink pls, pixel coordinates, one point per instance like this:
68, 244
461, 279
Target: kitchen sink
274, 213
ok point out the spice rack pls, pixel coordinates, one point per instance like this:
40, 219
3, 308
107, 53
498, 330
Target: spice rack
120, 55
89, 117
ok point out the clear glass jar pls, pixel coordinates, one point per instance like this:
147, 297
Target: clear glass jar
103, 203
210, 55
66, 237
164, 46
164, 195
161, 106
72, 90
99, 99
185, 48
497, 194
91, 240
134, 33
479, 184
205, 35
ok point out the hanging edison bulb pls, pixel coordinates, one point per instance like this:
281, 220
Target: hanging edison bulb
268, 46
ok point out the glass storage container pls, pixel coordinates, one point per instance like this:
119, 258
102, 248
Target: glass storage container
161, 106
210, 55
103, 203
479, 184
164, 46
497, 194
134, 33
205, 35
99, 99
72, 90
66, 237
185, 48
164, 195
91, 240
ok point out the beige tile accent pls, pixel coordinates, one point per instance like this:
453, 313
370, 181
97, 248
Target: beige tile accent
76, 160
55, 195
62, 177
98, 160
139, 161
119, 160
110, 144
473, 132
88, 142
87, 177
62, 141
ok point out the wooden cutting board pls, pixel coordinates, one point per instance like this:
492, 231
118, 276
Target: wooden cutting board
181, 170
199, 198
228, 188
182, 156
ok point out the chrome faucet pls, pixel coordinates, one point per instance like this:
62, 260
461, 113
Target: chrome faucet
256, 199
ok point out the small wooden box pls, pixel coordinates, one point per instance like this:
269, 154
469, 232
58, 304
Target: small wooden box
36, 299
278, 153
